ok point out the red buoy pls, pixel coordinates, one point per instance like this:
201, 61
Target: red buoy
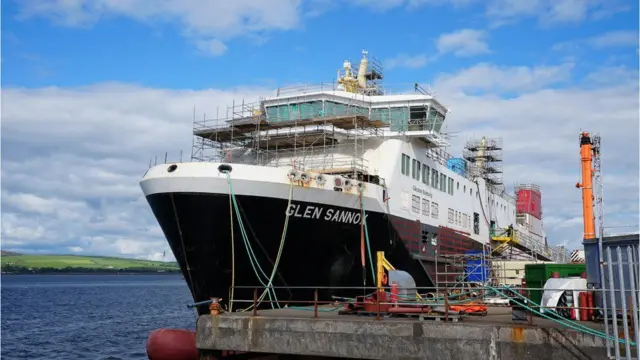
172, 344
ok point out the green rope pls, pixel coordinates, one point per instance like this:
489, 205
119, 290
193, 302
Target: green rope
252, 256
560, 320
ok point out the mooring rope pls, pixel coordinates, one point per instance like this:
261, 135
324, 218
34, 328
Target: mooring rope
252, 257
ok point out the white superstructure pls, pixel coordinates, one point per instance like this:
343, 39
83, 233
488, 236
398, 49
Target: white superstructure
336, 138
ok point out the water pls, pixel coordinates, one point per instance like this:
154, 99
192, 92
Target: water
89, 316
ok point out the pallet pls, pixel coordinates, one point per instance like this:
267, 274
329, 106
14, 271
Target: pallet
418, 316
433, 317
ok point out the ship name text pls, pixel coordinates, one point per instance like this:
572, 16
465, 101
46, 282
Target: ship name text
422, 191
318, 212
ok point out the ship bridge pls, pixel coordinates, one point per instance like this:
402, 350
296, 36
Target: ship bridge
322, 127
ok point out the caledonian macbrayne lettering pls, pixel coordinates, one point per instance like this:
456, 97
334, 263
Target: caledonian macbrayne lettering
422, 191
318, 212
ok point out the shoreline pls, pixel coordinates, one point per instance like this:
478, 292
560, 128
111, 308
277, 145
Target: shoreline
92, 273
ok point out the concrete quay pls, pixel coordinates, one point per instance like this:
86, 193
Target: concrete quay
295, 333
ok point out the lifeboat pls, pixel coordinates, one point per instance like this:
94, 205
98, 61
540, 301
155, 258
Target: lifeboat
172, 344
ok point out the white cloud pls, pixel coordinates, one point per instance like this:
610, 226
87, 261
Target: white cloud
73, 157
617, 38
406, 61
212, 47
540, 126
501, 12
463, 42
498, 79
199, 19
550, 12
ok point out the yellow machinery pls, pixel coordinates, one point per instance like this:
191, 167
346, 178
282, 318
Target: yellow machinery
381, 276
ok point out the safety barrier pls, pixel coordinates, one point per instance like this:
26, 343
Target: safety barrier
620, 282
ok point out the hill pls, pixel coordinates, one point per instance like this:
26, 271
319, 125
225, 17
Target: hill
24, 263
8, 253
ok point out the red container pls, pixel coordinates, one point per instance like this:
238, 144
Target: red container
590, 305
529, 202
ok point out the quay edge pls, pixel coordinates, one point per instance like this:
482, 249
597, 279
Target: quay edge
367, 338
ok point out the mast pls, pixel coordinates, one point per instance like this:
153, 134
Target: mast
586, 156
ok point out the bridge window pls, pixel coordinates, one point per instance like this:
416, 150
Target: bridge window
416, 169
434, 178
405, 164
443, 182
413, 168
425, 174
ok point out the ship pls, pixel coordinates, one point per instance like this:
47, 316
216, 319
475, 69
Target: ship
298, 192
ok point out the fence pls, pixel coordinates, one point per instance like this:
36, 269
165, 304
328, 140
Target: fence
620, 271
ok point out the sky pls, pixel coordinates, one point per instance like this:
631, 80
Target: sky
92, 90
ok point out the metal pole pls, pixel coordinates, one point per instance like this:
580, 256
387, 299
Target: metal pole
634, 297
446, 302
255, 302
613, 305
623, 300
315, 303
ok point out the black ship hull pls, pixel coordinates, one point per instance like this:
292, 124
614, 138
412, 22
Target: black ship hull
322, 246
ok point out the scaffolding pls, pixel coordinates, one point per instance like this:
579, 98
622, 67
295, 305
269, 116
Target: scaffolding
322, 128
327, 144
486, 155
469, 274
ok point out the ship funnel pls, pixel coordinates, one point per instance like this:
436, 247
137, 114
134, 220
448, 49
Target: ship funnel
362, 71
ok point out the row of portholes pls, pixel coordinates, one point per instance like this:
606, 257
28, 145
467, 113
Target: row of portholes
320, 179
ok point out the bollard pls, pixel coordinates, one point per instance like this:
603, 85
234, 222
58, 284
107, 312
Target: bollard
255, 302
315, 303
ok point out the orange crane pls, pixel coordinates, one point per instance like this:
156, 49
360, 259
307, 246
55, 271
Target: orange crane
587, 153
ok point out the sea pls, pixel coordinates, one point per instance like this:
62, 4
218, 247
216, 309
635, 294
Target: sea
89, 316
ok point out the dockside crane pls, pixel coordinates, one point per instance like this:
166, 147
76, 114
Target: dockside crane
591, 175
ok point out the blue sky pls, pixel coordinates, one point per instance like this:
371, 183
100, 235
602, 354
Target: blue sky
92, 89
118, 47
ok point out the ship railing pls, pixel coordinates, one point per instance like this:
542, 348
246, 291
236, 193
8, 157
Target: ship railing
394, 89
321, 158
167, 158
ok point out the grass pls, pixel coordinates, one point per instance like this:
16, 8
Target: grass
86, 262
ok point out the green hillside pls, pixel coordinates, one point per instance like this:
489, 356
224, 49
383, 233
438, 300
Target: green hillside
72, 263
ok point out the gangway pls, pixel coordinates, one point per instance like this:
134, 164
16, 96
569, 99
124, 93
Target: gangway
520, 240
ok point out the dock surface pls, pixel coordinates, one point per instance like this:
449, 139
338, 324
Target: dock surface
494, 336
